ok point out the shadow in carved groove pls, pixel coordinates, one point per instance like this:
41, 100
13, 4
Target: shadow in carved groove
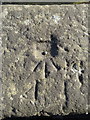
54, 48
53, 117
36, 90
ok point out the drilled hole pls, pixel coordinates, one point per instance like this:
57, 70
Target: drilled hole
66, 49
82, 71
43, 53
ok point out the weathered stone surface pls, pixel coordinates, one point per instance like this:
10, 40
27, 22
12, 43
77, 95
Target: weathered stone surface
0, 63
45, 59
43, 1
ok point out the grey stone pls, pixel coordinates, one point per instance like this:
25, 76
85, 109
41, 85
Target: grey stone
50, 1
45, 59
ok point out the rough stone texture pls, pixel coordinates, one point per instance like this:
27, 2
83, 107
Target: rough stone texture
45, 59
48, 1
0, 64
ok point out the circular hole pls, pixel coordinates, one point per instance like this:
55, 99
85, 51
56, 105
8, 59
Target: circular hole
43, 53
27, 29
82, 71
66, 49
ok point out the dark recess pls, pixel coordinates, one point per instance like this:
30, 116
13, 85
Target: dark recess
43, 3
54, 117
81, 78
46, 71
54, 48
65, 92
36, 90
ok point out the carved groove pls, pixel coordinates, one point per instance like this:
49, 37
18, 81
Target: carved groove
46, 71
36, 90
37, 66
81, 78
65, 92
56, 66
